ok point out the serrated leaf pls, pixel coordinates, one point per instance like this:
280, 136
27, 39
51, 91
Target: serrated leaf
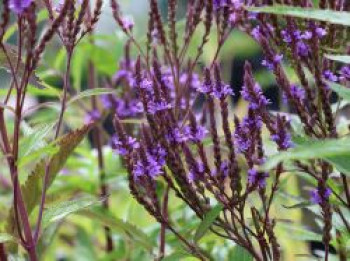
325, 15
48, 150
106, 218
91, 92
239, 253
35, 136
60, 210
207, 221
339, 58
341, 90
335, 151
32, 188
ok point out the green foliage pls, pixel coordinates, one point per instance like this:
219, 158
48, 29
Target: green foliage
339, 58
239, 253
342, 91
207, 221
32, 188
58, 211
300, 233
90, 93
334, 17
335, 151
107, 219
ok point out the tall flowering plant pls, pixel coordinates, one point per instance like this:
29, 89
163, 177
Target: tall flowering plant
186, 107
70, 21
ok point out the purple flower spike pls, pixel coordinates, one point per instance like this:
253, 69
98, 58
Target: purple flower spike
281, 135
154, 107
92, 116
123, 147
222, 91
320, 32
198, 135
317, 198
296, 92
255, 97
219, 4
330, 76
256, 33
18, 6
152, 165
302, 49
271, 65
255, 177
146, 85
345, 73
196, 172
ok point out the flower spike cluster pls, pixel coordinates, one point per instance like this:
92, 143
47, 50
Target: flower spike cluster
191, 140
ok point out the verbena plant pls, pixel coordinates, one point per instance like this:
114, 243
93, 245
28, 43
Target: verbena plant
176, 130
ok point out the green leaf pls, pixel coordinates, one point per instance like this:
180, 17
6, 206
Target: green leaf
49, 91
325, 15
89, 93
303, 204
107, 219
207, 221
341, 162
32, 188
239, 253
34, 136
49, 150
78, 65
63, 209
299, 232
339, 58
335, 151
6, 238
341, 90
176, 256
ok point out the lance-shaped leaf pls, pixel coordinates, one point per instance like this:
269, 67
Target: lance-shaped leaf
239, 253
325, 15
32, 188
60, 210
341, 90
89, 93
339, 58
207, 221
107, 219
334, 151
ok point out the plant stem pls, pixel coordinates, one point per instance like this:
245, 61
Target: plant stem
98, 143
163, 226
59, 124
3, 255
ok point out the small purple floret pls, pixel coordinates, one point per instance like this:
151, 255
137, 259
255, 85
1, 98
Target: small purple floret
18, 6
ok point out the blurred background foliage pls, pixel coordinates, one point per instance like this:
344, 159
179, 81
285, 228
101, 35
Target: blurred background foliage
80, 236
